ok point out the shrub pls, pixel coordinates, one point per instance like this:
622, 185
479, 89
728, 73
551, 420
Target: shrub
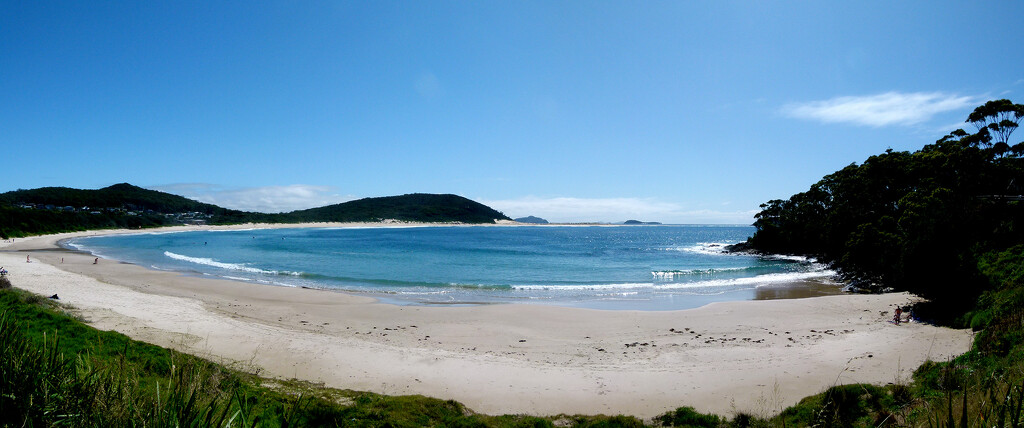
688, 417
38, 386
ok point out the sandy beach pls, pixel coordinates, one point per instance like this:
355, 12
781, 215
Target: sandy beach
751, 356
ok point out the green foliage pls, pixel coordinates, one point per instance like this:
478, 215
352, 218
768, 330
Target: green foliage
995, 121
972, 391
18, 222
37, 321
118, 196
117, 206
842, 405
913, 221
38, 386
1004, 269
688, 417
608, 422
1000, 310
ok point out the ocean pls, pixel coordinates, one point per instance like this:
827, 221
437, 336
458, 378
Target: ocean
660, 267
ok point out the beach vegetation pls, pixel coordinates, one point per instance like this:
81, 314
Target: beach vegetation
843, 405
688, 417
57, 371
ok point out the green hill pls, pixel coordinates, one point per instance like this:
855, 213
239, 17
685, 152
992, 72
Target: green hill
62, 209
119, 196
412, 207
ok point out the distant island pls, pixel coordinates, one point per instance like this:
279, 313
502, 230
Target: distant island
638, 222
531, 220
62, 209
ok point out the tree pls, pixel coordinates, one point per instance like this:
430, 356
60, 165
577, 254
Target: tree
997, 120
912, 221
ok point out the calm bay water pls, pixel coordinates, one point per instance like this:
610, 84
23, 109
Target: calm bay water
607, 267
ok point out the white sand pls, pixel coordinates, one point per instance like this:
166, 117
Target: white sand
753, 356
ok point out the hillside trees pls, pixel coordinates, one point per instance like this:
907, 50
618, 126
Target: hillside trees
912, 221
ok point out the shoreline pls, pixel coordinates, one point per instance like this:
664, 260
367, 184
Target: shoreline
753, 356
639, 296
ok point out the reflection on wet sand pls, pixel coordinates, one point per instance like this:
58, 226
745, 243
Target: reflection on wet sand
797, 290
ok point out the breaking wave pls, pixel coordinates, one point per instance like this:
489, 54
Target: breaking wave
752, 281
671, 274
229, 266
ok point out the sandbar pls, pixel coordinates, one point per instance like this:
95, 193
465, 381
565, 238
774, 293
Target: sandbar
756, 356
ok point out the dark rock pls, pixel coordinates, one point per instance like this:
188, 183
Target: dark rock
740, 247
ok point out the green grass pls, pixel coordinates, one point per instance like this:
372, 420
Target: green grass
57, 371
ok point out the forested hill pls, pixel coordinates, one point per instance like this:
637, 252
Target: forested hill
412, 207
937, 222
119, 196
62, 209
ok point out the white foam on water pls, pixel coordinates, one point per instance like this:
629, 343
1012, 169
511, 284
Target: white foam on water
709, 248
162, 232
755, 281
211, 262
75, 245
801, 259
425, 293
669, 274
584, 287
719, 248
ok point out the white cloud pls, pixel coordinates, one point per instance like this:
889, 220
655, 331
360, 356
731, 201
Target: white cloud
268, 199
891, 108
612, 210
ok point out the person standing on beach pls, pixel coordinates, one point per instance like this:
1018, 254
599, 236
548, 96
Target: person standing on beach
896, 318
28, 259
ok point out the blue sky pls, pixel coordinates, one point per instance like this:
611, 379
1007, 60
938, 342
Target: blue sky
680, 112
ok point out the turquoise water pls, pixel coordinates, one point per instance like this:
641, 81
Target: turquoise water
608, 267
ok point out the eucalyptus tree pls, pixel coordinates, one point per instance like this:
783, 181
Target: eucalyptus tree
997, 120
